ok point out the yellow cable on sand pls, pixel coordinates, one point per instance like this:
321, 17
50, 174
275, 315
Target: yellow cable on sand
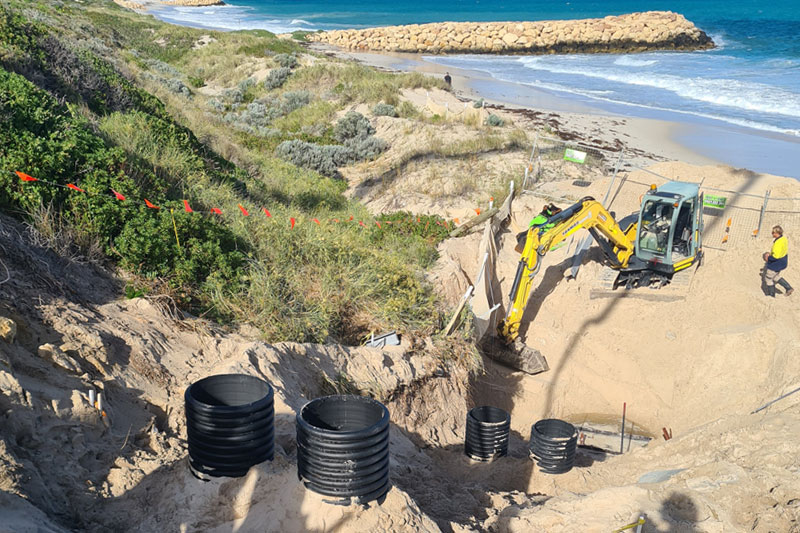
638, 523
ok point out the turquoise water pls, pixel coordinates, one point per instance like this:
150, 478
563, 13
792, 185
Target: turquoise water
751, 81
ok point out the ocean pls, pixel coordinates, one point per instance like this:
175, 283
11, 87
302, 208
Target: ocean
747, 87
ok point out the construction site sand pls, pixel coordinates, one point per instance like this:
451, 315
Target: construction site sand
698, 366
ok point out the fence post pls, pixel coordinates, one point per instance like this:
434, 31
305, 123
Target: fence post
761, 216
584, 245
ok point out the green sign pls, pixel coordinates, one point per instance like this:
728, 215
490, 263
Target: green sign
714, 201
575, 156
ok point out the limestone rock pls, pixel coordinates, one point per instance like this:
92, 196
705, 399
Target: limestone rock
8, 329
653, 30
59, 358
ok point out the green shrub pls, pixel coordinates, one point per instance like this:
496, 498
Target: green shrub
429, 227
277, 77
477, 104
353, 125
494, 120
384, 110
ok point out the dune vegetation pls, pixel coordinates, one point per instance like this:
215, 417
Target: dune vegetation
221, 120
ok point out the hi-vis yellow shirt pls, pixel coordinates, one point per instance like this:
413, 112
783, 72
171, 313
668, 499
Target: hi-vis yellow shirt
780, 247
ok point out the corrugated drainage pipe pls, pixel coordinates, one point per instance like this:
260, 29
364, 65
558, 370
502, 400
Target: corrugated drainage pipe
553, 445
487, 433
230, 424
343, 448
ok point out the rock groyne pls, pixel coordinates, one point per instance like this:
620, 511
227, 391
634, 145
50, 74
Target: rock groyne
636, 32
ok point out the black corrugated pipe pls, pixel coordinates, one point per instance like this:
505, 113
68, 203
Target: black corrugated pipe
343, 448
553, 445
229, 424
487, 433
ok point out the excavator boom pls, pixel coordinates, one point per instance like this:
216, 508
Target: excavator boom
587, 213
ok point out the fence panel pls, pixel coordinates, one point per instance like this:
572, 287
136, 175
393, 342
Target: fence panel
557, 160
784, 212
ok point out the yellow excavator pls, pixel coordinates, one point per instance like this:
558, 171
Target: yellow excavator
665, 238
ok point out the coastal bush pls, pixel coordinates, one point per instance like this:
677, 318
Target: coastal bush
494, 120
293, 100
177, 86
366, 148
353, 125
277, 77
384, 110
286, 60
477, 104
325, 159
163, 68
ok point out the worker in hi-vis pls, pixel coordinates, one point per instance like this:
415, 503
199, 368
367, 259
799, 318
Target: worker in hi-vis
777, 260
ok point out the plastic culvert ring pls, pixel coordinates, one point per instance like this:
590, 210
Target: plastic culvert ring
487, 433
343, 448
553, 445
229, 424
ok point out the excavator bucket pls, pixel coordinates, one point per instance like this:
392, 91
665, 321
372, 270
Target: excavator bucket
516, 355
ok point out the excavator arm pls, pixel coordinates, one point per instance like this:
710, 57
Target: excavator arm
587, 213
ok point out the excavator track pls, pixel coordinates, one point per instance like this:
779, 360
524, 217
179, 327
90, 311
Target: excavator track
609, 285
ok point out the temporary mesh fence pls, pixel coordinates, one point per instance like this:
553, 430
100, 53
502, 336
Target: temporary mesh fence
557, 160
730, 217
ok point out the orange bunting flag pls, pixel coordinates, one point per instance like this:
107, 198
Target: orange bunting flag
336, 220
455, 221
428, 223
216, 211
419, 220
25, 177
186, 207
360, 223
292, 221
315, 220
388, 221
478, 211
118, 196
378, 223
266, 212
351, 218
243, 210
151, 206
75, 187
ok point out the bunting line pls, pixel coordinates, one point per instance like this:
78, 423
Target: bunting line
27, 178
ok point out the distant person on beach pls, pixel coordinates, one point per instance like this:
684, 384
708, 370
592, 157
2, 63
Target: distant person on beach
448, 80
777, 260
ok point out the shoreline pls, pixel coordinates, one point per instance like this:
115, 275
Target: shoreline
643, 137
666, 134
670, 134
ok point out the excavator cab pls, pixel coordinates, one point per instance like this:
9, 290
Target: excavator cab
669, 227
